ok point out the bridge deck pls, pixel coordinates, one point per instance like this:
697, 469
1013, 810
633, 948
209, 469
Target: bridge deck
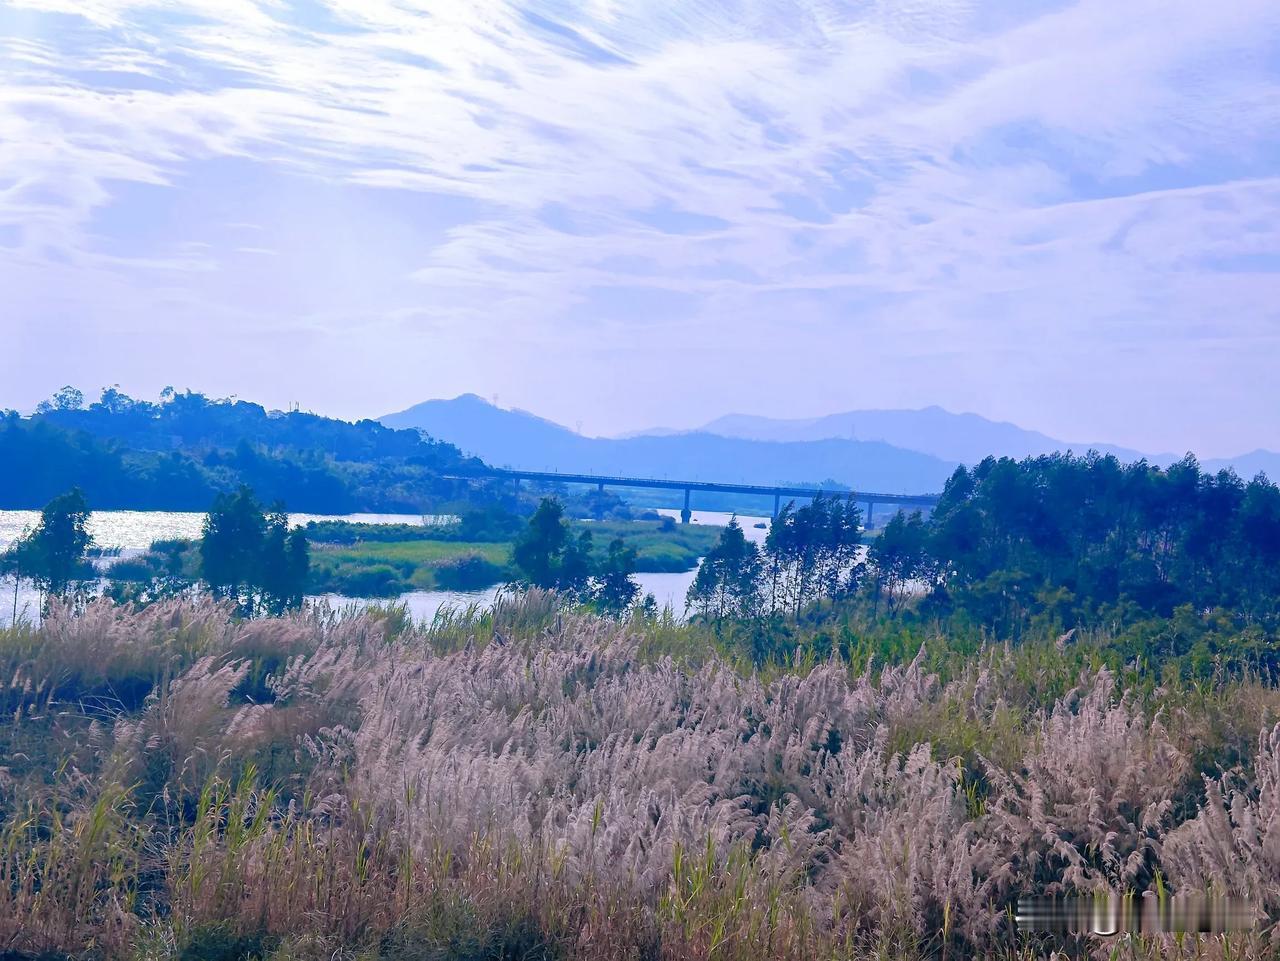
879, 497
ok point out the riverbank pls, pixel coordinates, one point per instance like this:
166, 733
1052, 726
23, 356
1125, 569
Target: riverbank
151, 542
382, 568
385, 561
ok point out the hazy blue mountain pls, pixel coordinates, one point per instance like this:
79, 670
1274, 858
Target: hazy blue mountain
1249, 465
514, 438
963, 438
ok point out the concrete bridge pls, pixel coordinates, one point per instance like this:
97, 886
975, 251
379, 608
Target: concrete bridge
868, 498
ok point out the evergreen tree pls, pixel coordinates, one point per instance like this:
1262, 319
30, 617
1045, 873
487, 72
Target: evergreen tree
575, 566
231, 547
727, 585
285, 564
615, 584
53, 554
900, 558
549, 556
251, 557
812, 552
538, 550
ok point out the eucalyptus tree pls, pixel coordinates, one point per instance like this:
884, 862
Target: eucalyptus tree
900, 559
729, 580
812, 552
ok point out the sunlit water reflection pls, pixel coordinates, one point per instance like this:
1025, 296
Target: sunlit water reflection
128, 533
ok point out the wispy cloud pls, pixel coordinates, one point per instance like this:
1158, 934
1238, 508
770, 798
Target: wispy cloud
953, 189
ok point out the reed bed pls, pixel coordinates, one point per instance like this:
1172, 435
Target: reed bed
529, 782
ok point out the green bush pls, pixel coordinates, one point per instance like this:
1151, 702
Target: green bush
376, 580
469, 573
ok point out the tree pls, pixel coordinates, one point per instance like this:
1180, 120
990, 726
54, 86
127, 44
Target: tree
68, 398
251, 557
900, 557
812, 552
538, 551
286, 562
727, 585
615, 587
549, 556
53, 555
231, 547
576, 565
115, 401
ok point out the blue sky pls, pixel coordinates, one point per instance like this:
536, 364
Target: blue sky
624, 213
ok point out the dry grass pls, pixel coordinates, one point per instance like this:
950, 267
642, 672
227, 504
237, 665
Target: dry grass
531, 783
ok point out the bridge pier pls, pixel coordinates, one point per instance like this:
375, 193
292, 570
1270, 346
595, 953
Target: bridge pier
866, 521
686, 514
600, 487
777, 505
515, 493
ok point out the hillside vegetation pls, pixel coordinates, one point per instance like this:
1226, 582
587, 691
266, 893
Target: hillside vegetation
180, 453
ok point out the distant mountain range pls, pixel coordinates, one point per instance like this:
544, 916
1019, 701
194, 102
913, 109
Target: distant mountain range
904, 451
515, 438
962, 438
1248, 465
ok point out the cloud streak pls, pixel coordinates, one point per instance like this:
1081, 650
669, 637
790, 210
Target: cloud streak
1005, 199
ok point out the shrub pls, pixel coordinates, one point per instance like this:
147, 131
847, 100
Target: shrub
374, 580
468, 573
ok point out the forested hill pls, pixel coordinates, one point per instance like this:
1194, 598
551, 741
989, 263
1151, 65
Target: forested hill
178, 453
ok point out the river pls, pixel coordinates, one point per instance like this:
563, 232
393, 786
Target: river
129, 533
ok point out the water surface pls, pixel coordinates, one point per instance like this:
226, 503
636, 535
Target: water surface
128, 533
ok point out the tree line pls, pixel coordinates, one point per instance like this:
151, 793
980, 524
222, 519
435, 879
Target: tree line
1090, 539
1057, 539
810, 552
249, 555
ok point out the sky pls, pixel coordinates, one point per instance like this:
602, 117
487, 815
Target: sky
626, 213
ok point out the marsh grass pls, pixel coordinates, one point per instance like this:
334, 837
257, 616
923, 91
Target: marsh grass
527, 782
382, 568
